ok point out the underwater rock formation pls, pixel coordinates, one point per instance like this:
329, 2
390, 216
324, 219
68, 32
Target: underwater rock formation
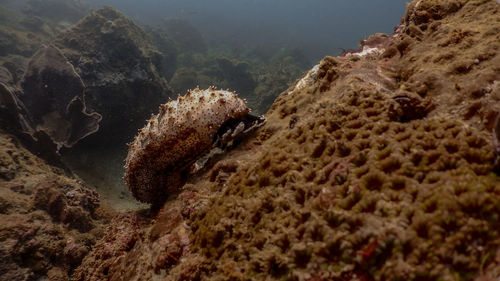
167, 47
19, 41
49, 221
185, 35
258, 80
118, 65
204, 70
58, 11
460, 49
375, 166
117, 241
54, 100
184, 130
11, 112
496, 143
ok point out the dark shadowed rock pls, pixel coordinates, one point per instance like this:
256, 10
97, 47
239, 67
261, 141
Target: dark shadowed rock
10, 117
53, 97
117, 63
496, 143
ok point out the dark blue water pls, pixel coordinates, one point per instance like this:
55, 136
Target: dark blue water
317, 27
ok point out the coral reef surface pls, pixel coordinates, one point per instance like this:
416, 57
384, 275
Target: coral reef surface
376, 165
379, 164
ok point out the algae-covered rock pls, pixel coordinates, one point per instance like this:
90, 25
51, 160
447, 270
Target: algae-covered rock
460, 48
219, 70
259, 81
57, 11
49, 220
376, 165
18, 41
168, 48
117, 63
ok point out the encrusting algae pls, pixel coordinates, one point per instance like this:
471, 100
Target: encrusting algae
375, 166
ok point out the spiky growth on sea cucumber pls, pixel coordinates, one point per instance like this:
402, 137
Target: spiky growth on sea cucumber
175, 138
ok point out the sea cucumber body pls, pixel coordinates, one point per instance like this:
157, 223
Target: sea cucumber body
174, 139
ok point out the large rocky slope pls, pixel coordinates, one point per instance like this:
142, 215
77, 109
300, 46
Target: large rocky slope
49, 220
376, 165
118, 65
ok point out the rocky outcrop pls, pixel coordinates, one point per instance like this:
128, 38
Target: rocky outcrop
53, 96
12, 115
258, 80
185, 35
121, 236
378, 165
49, 220
118, 66
167, 47
56, 11
496, 143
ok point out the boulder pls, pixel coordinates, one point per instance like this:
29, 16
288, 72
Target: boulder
119, 67
53, 96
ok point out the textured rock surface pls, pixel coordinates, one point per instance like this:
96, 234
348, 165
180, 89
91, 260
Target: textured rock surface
49, 221
374, 166
176, 138
16, 47
117, 63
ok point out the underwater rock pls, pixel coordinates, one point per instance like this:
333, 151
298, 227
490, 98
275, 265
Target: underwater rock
237, 74
127, 241
426, 11
54, 100
118, 64
203, 70
454, 62
120, 236
496, 143
336, 187
167, 47
11, 112
49, 221
56, 10
184, 130
71, 204
20, 40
